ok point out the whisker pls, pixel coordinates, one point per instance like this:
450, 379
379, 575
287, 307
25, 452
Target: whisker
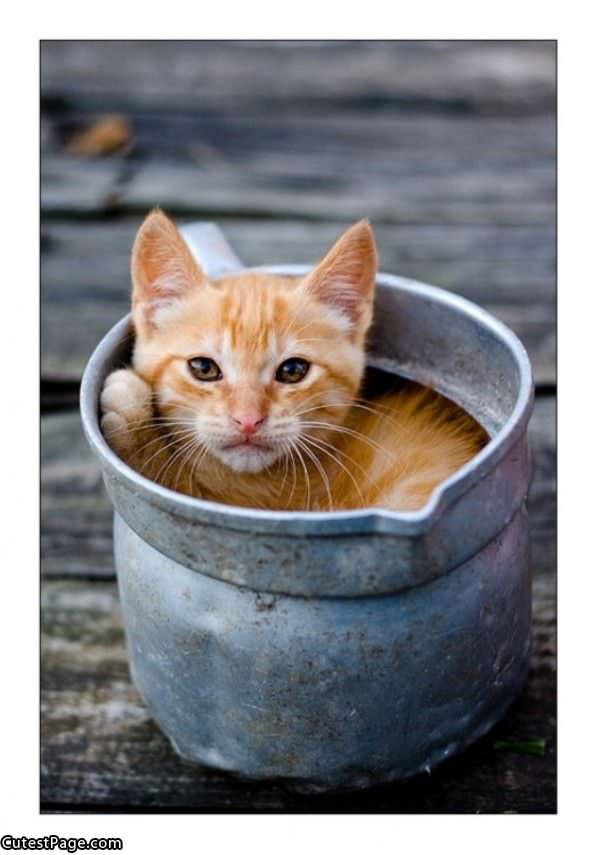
173, 457
320, 469
196, 463
165, 447
151, 424
147, 445
342, 429
324, 444
349, 405
289, 448
191, 468
286, 469
305, 472
350, 474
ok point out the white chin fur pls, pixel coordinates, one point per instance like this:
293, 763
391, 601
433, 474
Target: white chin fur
247, 459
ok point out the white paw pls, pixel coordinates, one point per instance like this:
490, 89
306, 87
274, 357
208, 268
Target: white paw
126, 404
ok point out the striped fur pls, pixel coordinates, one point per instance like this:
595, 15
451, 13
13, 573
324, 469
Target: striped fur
315, 444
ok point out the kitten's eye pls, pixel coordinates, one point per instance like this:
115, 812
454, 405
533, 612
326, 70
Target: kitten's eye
292, 370
204, 368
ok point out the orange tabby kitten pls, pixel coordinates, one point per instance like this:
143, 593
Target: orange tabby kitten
243, 389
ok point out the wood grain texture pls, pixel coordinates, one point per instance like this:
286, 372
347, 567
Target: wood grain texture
77, 517
471, 171
85, 186
101, 749
510, 271
482, 77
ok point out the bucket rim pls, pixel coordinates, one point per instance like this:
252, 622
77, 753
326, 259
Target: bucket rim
317, 523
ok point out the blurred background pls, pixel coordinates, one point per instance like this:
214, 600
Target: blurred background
449, 149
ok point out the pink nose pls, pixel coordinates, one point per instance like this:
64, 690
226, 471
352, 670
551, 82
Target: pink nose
248, 424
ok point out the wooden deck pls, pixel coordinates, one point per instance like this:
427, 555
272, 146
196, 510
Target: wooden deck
449, 148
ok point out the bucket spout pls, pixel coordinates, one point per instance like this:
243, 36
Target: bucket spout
210, 249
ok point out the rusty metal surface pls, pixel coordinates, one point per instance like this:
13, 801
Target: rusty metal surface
251, 632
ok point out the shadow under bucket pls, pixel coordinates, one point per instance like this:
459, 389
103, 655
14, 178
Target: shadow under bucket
336, 649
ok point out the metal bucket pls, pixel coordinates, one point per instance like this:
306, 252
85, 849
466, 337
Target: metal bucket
344, 649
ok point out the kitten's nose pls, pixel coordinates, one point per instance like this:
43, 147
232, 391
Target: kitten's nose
248, 423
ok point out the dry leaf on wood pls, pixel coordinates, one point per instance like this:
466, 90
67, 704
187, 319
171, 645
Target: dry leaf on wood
105, 136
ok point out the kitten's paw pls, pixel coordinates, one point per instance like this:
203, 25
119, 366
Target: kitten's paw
126, 405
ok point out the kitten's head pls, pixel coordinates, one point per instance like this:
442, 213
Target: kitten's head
249, 365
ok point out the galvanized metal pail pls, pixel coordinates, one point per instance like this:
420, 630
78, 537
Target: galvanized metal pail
342, 649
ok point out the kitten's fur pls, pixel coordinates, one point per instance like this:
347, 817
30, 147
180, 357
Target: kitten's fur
306, 445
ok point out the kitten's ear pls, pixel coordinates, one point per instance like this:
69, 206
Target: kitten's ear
344, 279
162, 270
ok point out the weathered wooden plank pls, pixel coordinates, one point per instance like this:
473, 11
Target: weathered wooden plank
387, 187
101, 749
516, 197
510, 271
304, 141
85, 186
76, 516
481, 76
